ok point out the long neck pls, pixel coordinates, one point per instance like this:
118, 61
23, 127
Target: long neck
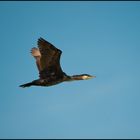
74, 77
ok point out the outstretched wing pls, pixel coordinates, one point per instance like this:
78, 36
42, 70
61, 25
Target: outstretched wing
49, 62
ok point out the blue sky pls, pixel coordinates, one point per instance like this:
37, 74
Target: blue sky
97, 38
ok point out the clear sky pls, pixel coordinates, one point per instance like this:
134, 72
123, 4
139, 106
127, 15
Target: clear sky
97, 38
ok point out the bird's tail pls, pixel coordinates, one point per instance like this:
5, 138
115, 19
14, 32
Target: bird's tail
26, 85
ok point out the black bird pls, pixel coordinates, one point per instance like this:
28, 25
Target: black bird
47, 58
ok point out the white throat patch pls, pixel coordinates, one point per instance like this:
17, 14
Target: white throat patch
84, 77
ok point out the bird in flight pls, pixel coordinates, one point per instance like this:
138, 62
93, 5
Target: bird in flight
47, 58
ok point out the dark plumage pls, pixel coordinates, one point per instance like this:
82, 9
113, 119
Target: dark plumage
47, 58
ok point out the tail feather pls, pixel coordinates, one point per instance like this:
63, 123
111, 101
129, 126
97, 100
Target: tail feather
26, 85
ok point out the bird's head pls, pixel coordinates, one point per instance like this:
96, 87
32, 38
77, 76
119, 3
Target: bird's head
86, 76
82, 77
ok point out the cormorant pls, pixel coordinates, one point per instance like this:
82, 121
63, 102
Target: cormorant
47, 58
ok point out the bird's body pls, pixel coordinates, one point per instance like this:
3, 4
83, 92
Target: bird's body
47, 58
